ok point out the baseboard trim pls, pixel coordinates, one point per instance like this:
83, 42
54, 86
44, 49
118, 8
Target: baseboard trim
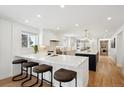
113, 59
5, 75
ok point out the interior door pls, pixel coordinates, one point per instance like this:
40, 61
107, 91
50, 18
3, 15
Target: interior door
104, 47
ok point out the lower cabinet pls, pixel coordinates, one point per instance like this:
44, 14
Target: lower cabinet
93, 59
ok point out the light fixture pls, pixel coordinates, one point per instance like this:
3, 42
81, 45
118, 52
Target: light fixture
26, 21
86, 33
109, 18
62, 6
77, 25
58, 28
106, 30
39, 16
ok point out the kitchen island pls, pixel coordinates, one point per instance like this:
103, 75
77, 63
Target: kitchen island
93, 57
75, 63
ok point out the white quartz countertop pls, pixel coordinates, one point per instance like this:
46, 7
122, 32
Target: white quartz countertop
66, 60
93, 52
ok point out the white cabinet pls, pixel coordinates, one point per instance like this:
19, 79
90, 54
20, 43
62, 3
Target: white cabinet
5, 49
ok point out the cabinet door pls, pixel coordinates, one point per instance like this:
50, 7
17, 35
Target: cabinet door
5, 49
92, 61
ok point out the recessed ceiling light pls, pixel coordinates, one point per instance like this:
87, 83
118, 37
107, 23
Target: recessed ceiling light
62, 6
39, 16
109, 18
77, 25
58, 28
26, 21
106, 30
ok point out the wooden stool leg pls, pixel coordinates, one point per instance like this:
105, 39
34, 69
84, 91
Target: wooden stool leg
21, 69
51, 78
37, 77
41, 84
27, 72
30, 73
42, 79
60, 84
76, 81
36, 81
30, 77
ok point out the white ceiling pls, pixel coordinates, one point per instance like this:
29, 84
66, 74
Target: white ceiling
93, 18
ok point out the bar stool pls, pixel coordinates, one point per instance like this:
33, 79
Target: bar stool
19, 61
27, 66
42, 69
64, 75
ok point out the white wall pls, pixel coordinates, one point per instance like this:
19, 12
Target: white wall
41, 37
10, 45
5, 49
120, 46
48, 35
118, 53
113, 51
16, 36
94, 44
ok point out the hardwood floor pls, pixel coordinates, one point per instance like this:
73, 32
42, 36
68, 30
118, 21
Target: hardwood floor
9, 83
106, 75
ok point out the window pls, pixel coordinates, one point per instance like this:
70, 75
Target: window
24, 40
29, 39
69, 42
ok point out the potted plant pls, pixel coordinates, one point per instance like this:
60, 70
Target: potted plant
35, 47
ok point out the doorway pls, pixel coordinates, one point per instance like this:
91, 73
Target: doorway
104, 47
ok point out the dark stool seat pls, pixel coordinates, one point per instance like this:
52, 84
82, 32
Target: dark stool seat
64, 75
27, 66
30, 64
42, 69
19, 61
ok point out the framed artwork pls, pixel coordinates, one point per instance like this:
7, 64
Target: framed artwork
24, 40
113, 43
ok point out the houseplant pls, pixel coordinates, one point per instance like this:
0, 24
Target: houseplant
35, 47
